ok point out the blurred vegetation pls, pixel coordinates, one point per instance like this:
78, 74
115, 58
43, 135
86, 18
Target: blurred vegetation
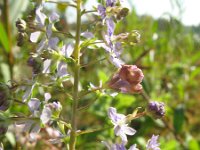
168, 54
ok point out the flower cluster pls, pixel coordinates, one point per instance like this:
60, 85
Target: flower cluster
156, 109
120, 124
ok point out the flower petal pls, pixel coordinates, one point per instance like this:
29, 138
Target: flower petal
87, 35
40, 17
47, 96
54, 17
67, 50
53, 42
46, 66
46, 115
102, 11
34, 104
129, 130
35, 36
62, 69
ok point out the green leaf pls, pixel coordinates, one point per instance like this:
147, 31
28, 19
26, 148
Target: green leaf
179, 119
124, 100
193, 145
4, 38
170, 145
11, 138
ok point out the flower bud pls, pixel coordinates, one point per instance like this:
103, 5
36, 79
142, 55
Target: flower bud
21, 25
20, 38
131, 74
36, 63
127, 79
156, 109
131, 38
123, 12
4, 97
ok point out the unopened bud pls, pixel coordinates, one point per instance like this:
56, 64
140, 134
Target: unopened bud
156, 109
21, 25
131, 74
21, 38
123, 12
127, 79
131, 38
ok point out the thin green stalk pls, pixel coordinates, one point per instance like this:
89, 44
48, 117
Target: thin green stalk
10, 58
76, 79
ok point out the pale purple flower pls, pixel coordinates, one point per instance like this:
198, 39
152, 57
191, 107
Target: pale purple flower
46, 66
28, 92
47, 96
62, 69
57, 106
133, 147
110, 26
87, 35
47, 42
156, 109
102, 11
153, 144
120, 126
40, 17
34, 104
46, 115
67, 50
110, 3
118, 146
35, 36
54, 17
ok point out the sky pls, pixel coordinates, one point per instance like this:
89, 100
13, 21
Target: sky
159, 8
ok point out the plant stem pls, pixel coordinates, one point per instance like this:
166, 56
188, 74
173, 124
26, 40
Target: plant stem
76, 79
10, 58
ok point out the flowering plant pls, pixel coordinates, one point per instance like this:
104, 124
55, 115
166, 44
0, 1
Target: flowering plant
59, 64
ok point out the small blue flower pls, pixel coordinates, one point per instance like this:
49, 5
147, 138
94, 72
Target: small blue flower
153, 144
110, 3
47, 42
102, 11
118, 146
120, 126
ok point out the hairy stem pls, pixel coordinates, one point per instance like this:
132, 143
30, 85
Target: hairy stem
76, 78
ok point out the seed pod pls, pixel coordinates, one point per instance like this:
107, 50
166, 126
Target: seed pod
5, 97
